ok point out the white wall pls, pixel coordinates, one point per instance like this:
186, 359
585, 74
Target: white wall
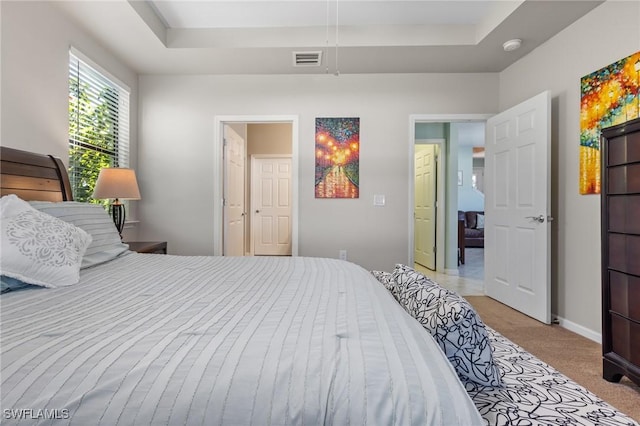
609, 33
35, 77
176, 152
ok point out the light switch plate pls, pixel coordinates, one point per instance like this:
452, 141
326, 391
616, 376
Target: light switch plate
378, 200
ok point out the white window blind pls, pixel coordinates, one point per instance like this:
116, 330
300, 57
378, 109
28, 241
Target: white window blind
98, 125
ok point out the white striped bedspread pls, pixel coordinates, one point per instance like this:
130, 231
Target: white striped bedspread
171, 340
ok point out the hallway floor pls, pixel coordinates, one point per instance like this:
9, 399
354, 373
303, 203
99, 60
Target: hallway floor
470, 278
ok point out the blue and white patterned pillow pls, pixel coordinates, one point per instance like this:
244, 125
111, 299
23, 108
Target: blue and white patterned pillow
453, 323
408, 283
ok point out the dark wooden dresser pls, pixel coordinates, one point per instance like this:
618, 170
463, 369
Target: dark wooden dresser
620, 147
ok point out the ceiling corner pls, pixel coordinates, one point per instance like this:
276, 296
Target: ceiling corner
152, 19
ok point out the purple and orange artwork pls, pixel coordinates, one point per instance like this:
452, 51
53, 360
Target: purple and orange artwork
337, 158
608, 96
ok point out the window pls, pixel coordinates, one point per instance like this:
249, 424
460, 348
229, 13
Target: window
98, 124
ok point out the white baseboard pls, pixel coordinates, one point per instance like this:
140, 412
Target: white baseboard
451, 271
581, 330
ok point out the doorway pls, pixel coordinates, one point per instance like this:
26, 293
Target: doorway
436, 129
517, 261
261, 136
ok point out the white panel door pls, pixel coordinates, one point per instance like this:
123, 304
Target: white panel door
517, 207
234, 204
271, 205
424, 210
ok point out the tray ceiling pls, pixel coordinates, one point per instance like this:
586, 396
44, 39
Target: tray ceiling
380, 36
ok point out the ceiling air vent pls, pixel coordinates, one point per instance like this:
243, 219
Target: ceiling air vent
307, 59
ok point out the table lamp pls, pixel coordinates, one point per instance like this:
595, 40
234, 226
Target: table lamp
119, 184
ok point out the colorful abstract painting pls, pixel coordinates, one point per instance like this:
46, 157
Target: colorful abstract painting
337, 158
609, 96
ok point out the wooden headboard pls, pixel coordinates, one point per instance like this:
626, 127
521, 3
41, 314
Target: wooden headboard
33, 176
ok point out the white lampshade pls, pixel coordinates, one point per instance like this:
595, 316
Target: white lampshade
115, 182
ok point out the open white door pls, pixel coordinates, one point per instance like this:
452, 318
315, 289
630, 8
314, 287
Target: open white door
517, 207
424, 210
234, 209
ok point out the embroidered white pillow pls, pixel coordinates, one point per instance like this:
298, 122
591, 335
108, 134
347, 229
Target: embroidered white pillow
38, 248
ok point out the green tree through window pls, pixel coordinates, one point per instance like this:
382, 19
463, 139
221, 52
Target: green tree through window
96, 116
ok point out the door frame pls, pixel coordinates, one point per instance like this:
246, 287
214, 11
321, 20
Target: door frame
251, 199
448, 239
218, 172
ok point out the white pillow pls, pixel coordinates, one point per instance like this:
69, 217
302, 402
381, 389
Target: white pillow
93, 219
479, 221
38, 248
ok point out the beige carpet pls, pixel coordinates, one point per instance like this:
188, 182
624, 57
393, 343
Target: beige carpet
573, 355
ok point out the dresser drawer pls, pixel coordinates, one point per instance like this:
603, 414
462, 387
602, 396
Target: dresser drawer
623, 179
624, 253
624, 149
624, 291
625, 338
624, 214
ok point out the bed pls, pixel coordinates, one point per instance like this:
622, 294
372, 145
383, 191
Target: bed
182, 340
172, 340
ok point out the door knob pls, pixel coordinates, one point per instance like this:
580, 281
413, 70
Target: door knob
257, 211
539, 219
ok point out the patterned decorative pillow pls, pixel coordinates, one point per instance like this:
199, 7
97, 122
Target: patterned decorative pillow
386, 279
38, 248
408, 282
93, 219
453, 323
461, 334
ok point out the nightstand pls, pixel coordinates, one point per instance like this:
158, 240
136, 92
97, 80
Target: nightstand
156, 247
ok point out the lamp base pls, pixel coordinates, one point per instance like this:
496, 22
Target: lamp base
118, 214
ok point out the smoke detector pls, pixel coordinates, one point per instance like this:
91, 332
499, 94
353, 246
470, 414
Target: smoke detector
512, 45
